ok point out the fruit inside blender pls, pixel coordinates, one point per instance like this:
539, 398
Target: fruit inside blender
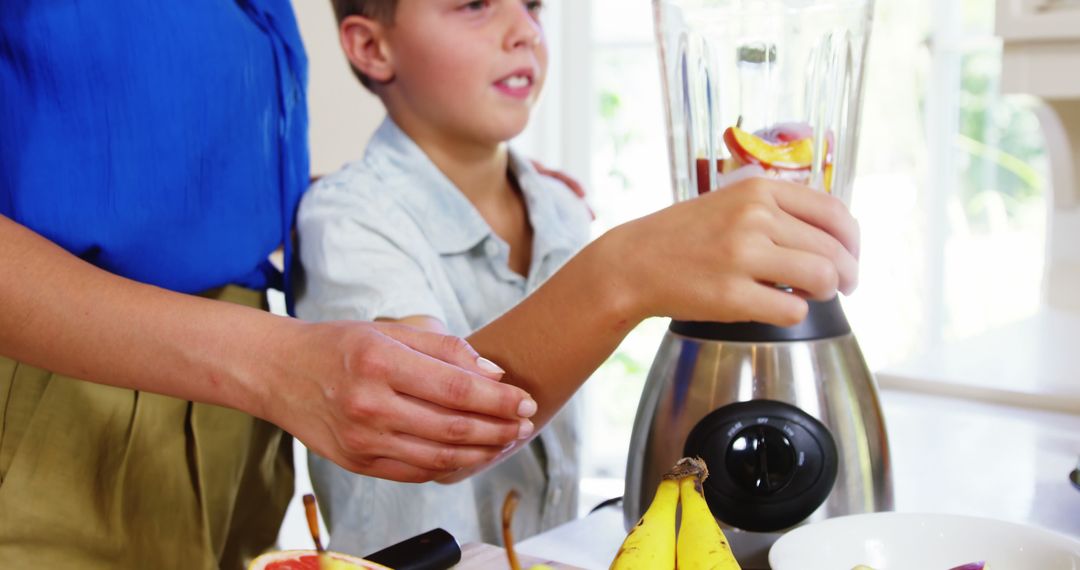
784, 151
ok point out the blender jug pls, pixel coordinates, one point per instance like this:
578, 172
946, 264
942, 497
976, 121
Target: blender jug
786, 418
775, 83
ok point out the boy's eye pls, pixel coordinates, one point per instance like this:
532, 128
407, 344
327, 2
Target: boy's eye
534, 6
476, 5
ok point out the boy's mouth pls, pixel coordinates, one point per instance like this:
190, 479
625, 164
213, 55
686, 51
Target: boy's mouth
518, 84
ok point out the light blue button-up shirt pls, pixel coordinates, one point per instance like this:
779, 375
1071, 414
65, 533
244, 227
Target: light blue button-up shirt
390, 236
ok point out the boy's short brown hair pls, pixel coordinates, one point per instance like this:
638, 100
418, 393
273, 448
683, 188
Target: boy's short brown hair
379, 10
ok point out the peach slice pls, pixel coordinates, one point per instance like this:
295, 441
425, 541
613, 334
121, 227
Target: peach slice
752, 149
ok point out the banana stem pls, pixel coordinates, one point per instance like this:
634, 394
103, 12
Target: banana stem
688, 467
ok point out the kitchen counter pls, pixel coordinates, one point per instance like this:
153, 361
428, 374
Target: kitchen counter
1029, 363
949, 456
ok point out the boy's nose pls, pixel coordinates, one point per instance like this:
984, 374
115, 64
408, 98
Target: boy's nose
525, 30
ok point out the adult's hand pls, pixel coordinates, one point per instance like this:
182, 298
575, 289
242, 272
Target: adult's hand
570, 182
396, 402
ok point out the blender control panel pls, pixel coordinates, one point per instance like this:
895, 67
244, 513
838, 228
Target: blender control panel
770, 464
761, 458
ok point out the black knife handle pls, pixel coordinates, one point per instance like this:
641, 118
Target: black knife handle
433, 550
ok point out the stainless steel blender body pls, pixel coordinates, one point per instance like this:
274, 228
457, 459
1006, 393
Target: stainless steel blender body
787, 419
792, 430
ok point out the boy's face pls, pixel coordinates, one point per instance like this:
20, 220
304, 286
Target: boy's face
467, 69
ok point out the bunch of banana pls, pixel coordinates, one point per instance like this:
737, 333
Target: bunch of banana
700, 544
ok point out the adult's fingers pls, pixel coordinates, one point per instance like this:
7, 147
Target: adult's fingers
570, 182
794, 234
449, 349
821, 210
449, 386
432, 456
438, 424
394, 470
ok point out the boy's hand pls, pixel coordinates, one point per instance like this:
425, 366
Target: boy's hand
394, 402
719, 256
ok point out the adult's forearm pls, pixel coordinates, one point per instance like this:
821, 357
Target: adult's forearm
378, 399
72, 318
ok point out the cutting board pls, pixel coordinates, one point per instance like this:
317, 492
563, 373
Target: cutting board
480, 556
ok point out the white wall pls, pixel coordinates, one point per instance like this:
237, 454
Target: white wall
343, 113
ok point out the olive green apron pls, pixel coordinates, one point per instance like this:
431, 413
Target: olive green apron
93, 476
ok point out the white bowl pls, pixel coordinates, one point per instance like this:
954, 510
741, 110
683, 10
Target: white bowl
903, 541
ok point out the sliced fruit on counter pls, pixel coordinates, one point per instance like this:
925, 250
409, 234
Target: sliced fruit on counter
309, 560
749, 148
318, 559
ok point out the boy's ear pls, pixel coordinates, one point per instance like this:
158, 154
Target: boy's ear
364, 43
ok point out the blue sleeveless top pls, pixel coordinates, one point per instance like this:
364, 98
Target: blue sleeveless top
162, 141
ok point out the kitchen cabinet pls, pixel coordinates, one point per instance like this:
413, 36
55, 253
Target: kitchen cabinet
1038, 20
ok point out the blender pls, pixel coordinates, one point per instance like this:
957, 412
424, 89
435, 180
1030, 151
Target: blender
787, 419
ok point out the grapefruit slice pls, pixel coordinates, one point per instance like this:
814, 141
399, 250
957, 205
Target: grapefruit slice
309, 560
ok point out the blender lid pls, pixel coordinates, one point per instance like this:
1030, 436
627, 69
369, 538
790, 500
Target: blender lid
824, 320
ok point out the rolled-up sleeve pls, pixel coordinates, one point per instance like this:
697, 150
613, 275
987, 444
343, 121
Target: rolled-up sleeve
363, 259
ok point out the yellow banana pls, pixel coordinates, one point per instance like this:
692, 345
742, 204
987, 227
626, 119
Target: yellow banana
702, 545
651, 543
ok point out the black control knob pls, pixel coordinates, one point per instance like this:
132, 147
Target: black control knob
770, 464
761, 460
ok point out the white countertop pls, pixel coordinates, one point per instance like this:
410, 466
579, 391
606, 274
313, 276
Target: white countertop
949, 456
1029, 363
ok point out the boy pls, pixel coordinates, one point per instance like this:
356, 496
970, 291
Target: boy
440, 226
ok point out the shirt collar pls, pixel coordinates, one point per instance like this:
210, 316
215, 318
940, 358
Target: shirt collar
550, 232
446, 217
